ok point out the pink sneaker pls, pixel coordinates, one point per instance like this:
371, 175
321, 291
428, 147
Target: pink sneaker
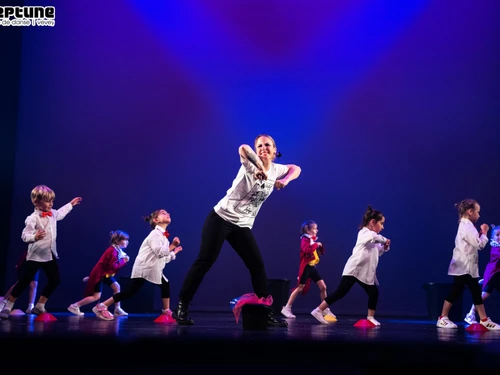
168, 316
102, 312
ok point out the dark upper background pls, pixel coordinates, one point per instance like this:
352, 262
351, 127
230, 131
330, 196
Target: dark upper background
137, 106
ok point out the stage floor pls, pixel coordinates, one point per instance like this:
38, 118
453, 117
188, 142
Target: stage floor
135, 343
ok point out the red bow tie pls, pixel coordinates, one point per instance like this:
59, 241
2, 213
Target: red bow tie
166, 234
44, 214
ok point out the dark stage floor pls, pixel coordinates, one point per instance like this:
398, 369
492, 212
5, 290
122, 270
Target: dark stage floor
136, 344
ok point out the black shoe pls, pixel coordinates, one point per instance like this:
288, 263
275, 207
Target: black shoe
272, 321
181, 314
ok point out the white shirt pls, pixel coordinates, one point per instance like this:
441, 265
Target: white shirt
362, 264
152, 257
42, 250
246, 195
465, 254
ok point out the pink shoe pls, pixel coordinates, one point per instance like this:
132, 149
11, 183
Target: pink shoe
167, 314
102, 312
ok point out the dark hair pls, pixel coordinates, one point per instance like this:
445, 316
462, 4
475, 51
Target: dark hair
464, 206
306, 225
117, 236
370, 214
149, 219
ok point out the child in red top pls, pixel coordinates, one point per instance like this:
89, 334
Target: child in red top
104, 271
310, 251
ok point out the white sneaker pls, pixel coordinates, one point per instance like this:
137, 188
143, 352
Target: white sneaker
4, 314
120, 312
101, 311
373, 320
318, 314
28, 310
470, 318
3, 302
75, 310
327, 311
492, 326
287, 311
446, 323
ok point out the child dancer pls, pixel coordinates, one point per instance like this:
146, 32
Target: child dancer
464, 264
41, 233
362, 265
33, 285
155, 252
104, 271
491, 279
310, 252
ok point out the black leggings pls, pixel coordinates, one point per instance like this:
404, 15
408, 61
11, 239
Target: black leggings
346, 284
215, 231
457, 289
31, 268
136, 284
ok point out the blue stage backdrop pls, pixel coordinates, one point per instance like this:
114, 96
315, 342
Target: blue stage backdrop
141, 105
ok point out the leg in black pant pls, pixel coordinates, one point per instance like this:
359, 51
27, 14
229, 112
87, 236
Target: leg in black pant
213, 235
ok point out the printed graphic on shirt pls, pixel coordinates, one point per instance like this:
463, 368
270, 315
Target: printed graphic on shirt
254, 199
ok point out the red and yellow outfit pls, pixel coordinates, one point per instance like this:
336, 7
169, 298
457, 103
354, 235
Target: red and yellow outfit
309, 255
109, 263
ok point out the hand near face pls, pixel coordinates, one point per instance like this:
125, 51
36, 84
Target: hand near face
178, 249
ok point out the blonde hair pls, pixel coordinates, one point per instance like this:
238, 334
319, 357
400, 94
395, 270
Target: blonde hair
42, 193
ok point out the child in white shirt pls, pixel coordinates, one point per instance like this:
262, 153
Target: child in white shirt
464, 264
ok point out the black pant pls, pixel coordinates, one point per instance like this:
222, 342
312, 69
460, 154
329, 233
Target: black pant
346, 284
31, 268
457, 288
136, 284
215, 231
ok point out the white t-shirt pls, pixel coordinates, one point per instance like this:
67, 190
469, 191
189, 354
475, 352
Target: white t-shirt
245, 197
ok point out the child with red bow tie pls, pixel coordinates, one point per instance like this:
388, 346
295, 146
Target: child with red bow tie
40, 233
155, 252
310, 251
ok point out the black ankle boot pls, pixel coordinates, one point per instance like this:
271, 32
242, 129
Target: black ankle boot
181, 314
272, 321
